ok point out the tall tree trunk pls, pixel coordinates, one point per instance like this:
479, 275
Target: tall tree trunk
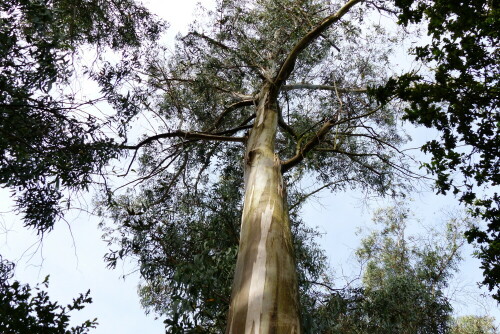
265, 293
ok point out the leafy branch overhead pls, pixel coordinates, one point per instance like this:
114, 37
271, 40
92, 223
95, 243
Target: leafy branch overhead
29, 310
50, 142
461, 101
193, 107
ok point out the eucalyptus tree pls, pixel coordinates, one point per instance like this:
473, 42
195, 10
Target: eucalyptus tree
187, 251
280, 88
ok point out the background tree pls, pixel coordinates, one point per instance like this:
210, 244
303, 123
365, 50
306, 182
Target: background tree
51, 143
404, 280
474, 325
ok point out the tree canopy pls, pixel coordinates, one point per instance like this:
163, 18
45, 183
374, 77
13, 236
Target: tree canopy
262, 85
474, 325
404, 279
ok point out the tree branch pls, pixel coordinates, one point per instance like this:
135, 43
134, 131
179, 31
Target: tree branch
284, 125
289, 63
192, 81
295, 160
186, 135
385, 160
172, 182
231, 108
302, 198
323, 87
370, 168
243, 126
335, 150
313, 142
156, 170
212, 41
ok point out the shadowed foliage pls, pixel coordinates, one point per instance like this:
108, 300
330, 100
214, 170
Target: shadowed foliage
50, 143
24, 309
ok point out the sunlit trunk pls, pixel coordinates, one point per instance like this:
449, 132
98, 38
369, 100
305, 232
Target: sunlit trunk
265, 293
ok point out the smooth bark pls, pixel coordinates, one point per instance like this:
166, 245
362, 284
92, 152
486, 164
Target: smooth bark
265, 294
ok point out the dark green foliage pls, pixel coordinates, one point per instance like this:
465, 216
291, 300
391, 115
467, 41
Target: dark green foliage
185, 244
29, 310
402, 306
49, 143
460, 99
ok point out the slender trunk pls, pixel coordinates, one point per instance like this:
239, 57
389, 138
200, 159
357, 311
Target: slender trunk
265, 293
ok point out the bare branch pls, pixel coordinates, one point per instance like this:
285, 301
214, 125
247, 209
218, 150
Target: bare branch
295, 160
306, 196
335, 150
284, 125
180, 170
212, 41
324, 285
243, 126
370, 168
322, 87
384, 159
156, 170
380, 141
186, 135
317, 138
192, 81
231, 108
381, 8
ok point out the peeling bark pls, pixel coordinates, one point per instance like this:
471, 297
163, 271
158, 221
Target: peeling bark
265, 293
